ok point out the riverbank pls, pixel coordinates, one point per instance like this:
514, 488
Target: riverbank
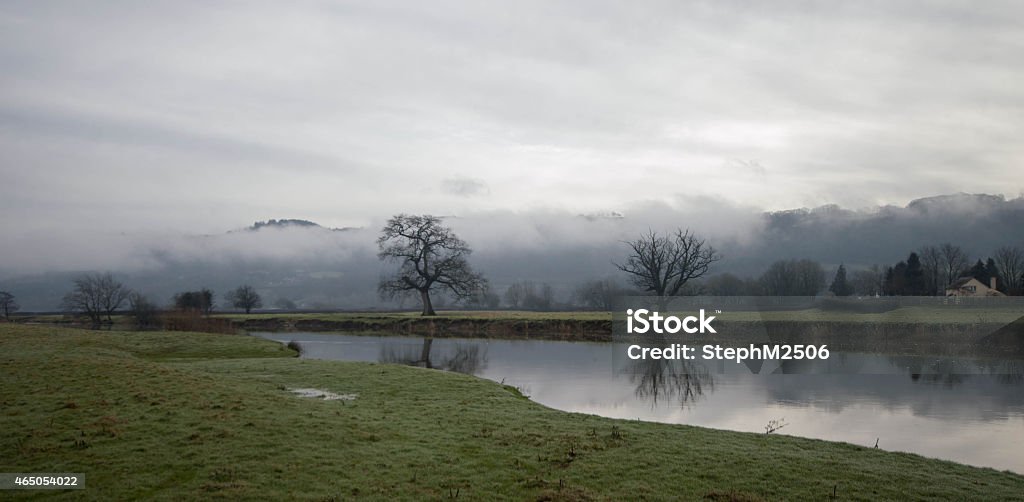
577, 326
908, 330
191, 415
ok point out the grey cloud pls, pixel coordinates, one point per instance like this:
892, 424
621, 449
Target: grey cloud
340, 268
189, 117
465, 187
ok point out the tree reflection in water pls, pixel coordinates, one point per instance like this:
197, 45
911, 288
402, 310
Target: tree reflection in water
468, 358
669, 380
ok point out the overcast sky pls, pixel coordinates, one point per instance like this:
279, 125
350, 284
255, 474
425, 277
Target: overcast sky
205, 116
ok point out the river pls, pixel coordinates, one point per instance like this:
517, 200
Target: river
975, 419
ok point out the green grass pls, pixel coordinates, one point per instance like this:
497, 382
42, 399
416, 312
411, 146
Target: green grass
175, 416
915, 314
384, 317
911, 315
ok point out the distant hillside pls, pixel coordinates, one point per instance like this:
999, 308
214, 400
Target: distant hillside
291, 223
282, 224
977, 222
298, 261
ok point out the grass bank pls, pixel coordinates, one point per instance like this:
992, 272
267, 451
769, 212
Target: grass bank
932, 330
196, 416
579, 326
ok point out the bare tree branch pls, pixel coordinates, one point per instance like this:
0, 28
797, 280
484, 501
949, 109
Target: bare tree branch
429, 256
954, 262
245, 298
96, 295
663, 265
1010, 261
7, 304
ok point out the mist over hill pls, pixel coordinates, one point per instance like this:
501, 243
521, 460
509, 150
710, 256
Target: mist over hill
318, 267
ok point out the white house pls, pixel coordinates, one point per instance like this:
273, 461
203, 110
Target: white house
969, 286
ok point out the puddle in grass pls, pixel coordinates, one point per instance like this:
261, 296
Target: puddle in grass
323, 394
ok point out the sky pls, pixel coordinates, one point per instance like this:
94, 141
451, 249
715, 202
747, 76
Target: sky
207, 116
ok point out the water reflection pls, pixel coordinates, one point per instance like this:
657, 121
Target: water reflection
469, 358
916, 404
675, 381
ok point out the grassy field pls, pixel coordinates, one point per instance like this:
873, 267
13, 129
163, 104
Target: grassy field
907, 314
498, 315
910, 315
196, 416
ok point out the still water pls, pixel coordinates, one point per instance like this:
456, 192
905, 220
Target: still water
976, 419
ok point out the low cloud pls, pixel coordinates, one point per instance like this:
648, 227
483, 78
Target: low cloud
465, 187
316, 266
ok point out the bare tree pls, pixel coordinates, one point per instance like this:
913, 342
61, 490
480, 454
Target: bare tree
484, 298
598, 294
664, 264
932, 266
728, 285
539, 299
1010, 261
96, 295
515, 294
244, 297
429, 256
7, 304
143, 310
195, 301
869, 281
793, 278
954, 261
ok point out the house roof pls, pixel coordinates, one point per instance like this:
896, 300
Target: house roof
961, 282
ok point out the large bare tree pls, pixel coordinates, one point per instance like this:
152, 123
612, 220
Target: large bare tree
1010, 262
932, 265
7, 304
244, 297
663, 264
429, 256
954, 262
96, 295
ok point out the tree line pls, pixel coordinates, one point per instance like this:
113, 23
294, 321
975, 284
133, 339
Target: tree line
925, 272
430, 259
672, 264
98, 296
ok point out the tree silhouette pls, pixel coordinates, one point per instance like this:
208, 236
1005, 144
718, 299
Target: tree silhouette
663, 265
840, 286
429, 256
96, 295
244, 297
7, 304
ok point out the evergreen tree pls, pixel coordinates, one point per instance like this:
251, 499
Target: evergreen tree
840, 286
896, 279
899, 278
914, 274
978, 272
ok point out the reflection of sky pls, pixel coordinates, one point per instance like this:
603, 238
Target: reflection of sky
975, 419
